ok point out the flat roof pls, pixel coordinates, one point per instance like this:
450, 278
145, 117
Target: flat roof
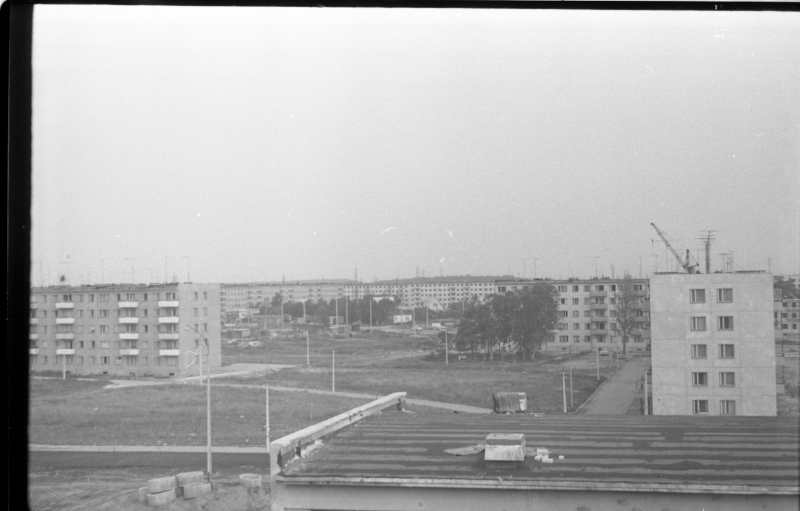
739, 455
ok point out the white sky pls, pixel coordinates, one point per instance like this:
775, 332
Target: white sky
263, 142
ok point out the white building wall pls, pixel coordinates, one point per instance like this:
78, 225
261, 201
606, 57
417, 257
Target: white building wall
753, 363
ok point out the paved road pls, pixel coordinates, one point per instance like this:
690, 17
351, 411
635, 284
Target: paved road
617, 394
228, 462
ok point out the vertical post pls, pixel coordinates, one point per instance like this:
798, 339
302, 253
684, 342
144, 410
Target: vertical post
446, 350
308, 357
64, 366
267, 416
564, 387
646, 400
597, 357
571, 403
337, 311
370, 312
208, 409
333, 370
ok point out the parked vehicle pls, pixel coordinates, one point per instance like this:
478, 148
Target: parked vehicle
603, 352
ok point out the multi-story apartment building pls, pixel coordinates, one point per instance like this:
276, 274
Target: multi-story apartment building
587, 312
144, 330
786, 313
713, 348
413, 292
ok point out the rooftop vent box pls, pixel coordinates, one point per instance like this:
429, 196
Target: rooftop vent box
510, 402
504, 450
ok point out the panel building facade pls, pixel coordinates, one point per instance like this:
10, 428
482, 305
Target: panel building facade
124, 329
713, 348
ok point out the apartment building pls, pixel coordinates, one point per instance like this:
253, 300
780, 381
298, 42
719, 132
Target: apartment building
413, 292
713, 350
587, 312
124, 329
786, 313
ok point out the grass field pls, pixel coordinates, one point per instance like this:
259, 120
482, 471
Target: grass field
73, 412
384, 366
789, 401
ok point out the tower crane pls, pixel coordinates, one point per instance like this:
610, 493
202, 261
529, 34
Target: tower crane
687, 264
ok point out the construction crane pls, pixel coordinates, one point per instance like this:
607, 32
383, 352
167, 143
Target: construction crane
687, 264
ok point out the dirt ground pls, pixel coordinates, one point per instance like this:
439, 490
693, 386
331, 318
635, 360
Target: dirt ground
112, 490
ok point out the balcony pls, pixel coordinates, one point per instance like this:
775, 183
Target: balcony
129, 352
169, 336
65, 321
34, 304
169, 353
33, 321
129, 336
129, 320
168, 303
598, 293
33, 337
598, 306
65, 351
65, 305
33, 351
168, 319
127, 305
65, 336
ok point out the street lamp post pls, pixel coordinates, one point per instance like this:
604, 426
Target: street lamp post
208, 395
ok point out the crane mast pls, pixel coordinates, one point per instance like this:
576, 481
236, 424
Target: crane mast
686, 265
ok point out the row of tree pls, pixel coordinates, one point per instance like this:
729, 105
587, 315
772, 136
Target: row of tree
521, 321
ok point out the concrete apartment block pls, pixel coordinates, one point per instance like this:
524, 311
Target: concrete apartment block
123, 329
713, 349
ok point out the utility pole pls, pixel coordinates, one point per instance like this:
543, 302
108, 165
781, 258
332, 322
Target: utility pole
267, 426
597, 358
564, 387
446, 351
207, 345
571, 403
308, 356
646, 400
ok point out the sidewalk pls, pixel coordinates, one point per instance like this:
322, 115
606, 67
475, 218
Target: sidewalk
146, 448
618, 392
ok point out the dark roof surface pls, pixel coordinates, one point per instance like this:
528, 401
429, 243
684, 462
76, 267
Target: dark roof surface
716, 452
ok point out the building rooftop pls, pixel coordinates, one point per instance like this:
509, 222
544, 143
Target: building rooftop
739, 455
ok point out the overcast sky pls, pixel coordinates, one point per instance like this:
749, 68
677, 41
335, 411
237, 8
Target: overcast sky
271, 142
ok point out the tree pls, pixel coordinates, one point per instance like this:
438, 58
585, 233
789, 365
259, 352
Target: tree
628, 304
788, 287
536, 316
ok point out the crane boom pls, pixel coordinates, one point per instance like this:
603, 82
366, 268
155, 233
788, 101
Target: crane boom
686, 265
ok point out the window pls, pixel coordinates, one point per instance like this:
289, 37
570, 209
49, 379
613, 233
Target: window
91, 360
576, 338
563, 314
563, 326
698, 323
700, 379
79, 361
576, 326
144, 297
118, 361
724, 295
637, 338
205, 295
81, 344
103, 345
698, 296
575, 289
205, 327
587, 338
205, 311
613, 326
613, 287
104, 361
576, 314
700, 405
91, 313
103, 329
600, 287
587, 288
587, 314
638, 287
563, 338
93, 344
699, 351
727, 379
576, 301
171, 361
612, 301
588, 326
562, 289
103, 313
727, 407
44, 359
195, 311
587, 301
726, 351
725, 323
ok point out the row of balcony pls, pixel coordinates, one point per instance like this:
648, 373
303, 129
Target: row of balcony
121, 305
130, 352
172, 336
124, 320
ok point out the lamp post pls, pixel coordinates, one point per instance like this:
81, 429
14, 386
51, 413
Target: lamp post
208, 395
